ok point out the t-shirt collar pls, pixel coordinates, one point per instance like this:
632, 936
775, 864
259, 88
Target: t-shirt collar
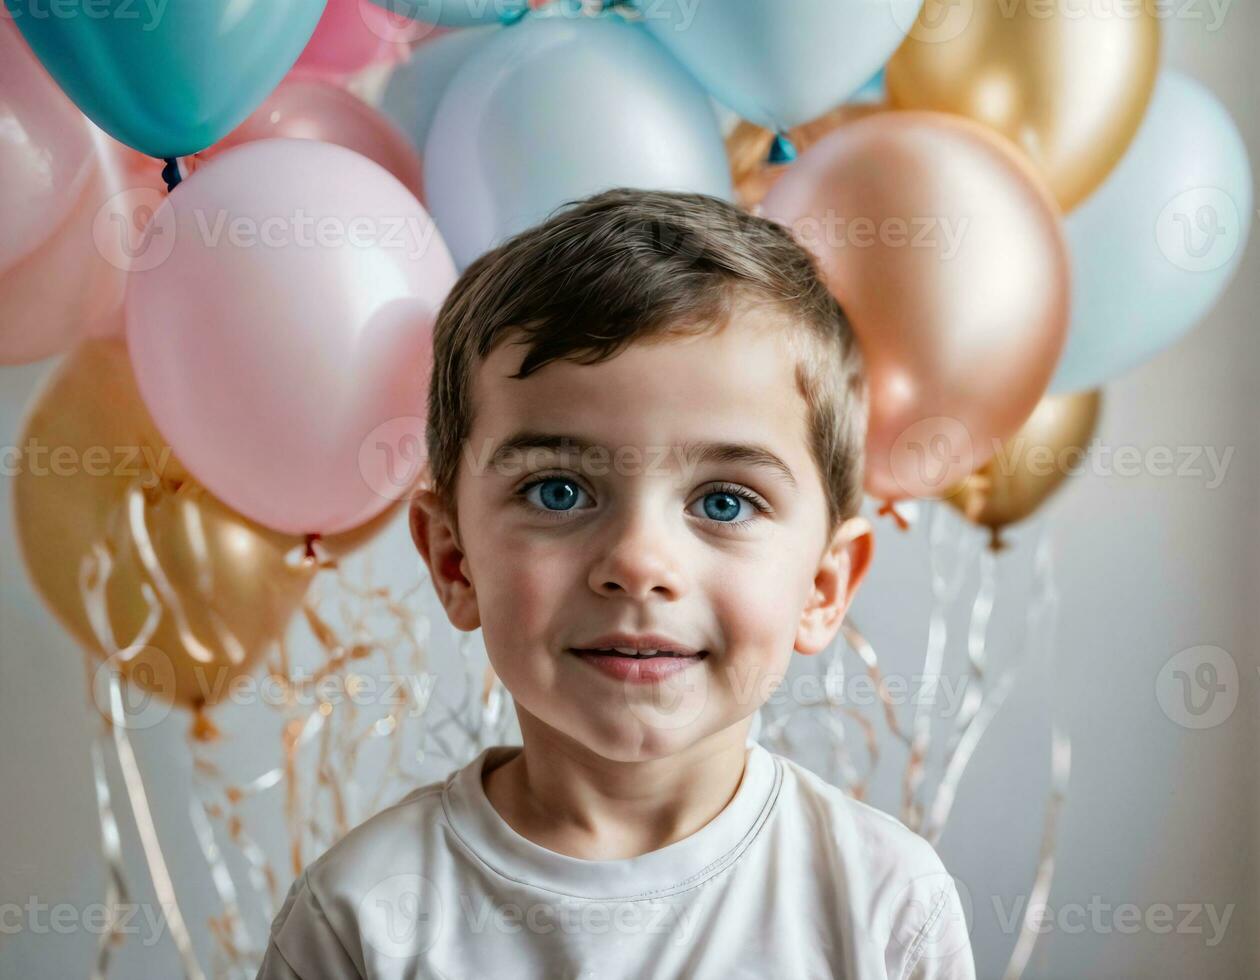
673, 868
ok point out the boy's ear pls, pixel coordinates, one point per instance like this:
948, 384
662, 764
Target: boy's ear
843, 566
437, 540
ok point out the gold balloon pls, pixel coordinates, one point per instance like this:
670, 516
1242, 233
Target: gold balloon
1067, 80
748, 146
1031, 465
110, 524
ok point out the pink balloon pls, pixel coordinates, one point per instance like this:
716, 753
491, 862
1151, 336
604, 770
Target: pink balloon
281, 331
314, 110
46, 156
350, 36
63, 290
946, 250
54, 283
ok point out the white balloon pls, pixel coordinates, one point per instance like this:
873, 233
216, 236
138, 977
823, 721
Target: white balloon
1156, 245
553, 109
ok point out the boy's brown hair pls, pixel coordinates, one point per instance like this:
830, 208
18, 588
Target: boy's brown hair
626, 266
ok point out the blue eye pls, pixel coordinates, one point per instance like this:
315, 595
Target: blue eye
723, 506
555, 493
556, 496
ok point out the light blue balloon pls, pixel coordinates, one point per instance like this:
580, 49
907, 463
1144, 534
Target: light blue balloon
553, 109
414, 90
457, 13
779, 63
168, 77
1156, 245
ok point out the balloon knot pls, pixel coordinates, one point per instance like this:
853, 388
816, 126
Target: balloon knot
996, 541
171, 173
889, 508
781, 149
310, 546
202, 728
510, 17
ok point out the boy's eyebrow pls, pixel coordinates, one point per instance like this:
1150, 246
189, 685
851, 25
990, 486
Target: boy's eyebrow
694, 453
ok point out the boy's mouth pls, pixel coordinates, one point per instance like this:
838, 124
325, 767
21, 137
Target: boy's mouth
633, 654
638, 646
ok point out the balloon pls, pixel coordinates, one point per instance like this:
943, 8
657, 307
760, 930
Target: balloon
783, 63
46, 155
945, 249
748, 146
413, 92
459, 13
350, 36
54, 284
554, 109
62, 291
170, 79
1155, 247
314, 110
283, 341
98, 498
1031, 465
1069, 82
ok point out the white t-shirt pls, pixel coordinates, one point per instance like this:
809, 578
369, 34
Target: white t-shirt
792, 879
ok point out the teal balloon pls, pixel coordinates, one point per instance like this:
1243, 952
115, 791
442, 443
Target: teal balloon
458, 13
416, 87
1157, 244
553, 109
779, 63
171, 78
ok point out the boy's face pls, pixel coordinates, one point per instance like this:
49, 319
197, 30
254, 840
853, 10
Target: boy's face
558, 547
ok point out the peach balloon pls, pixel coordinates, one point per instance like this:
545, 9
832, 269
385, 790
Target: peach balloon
315, 110
946, 250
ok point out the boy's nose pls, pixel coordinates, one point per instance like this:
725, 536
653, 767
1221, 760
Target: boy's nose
642, 560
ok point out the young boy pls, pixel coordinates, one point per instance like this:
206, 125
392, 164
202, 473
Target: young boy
645, 435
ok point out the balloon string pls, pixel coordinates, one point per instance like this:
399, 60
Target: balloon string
93, 581
116, 894
1043, 622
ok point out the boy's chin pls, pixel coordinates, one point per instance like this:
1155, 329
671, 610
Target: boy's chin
631, 739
